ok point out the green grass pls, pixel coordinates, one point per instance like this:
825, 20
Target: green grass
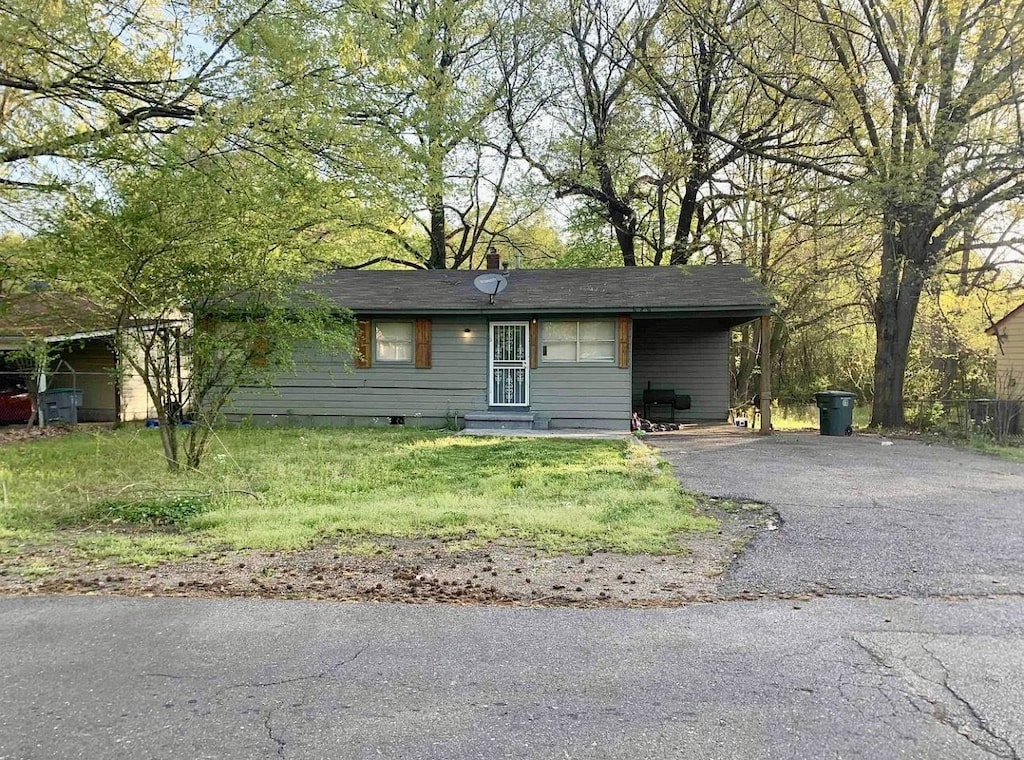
806, 417
1012, 453
288, 488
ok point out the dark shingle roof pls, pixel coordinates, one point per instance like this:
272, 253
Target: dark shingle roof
50, 314
726, 289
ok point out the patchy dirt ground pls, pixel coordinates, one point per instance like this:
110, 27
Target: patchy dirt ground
412, 571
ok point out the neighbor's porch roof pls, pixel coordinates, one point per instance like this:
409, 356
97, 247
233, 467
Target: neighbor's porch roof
52, 317
726, 292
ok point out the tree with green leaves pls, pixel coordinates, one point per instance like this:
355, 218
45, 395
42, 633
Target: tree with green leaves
590, 137
415, 87
203, 257
920, 113
715, 112
86, 84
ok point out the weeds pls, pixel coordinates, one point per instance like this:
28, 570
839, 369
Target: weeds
366, 484
150, 511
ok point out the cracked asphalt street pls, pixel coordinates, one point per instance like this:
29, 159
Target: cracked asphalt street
891, 625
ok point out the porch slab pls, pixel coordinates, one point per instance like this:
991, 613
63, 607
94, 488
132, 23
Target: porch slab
500, 420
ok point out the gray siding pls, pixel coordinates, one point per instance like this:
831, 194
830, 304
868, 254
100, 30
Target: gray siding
581, 395
688, 357
325, 389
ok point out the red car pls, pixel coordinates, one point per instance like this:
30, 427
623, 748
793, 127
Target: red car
15, 406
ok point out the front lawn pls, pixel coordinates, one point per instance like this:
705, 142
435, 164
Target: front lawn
288, 488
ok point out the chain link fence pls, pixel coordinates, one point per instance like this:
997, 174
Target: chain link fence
1002, 419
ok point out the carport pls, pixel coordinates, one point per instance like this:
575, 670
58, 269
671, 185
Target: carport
82, 356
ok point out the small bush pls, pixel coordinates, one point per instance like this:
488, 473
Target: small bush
153, 511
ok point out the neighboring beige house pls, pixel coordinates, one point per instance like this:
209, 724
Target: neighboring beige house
1009, 332
86, 355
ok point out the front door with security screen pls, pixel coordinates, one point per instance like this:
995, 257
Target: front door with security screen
510, 364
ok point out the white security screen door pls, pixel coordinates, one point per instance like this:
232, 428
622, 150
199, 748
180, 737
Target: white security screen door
510, 364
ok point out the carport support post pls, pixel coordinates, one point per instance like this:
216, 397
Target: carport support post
765, 391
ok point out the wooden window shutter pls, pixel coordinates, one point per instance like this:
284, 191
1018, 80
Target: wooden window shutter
421, 336
364, 348
260, 351
624, 325
534, 343
260, 345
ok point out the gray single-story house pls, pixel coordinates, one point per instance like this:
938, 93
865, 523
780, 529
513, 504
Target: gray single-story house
558, 348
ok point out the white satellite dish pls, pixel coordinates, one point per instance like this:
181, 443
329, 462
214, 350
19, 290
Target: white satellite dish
491, 284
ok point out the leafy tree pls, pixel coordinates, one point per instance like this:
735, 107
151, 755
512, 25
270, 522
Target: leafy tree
205, 256
715, 112
84, 84
415, 87
599, 149
920, 112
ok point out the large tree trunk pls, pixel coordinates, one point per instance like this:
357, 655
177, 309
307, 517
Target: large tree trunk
627, 244
437, 233
620, 214
681, 249
904, 253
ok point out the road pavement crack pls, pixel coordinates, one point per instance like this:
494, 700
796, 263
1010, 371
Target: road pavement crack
270, 734
929, 682
325, 673
996, 744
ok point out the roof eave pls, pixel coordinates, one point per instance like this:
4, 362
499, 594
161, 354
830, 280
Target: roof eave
999, 323
754, 310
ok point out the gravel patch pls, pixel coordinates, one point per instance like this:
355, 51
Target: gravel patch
412, 571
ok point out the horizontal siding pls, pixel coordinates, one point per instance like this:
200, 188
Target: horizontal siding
325, 388
685, 356
1010, 360
581, 395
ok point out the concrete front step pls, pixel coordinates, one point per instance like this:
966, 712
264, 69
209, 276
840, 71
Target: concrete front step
504, 421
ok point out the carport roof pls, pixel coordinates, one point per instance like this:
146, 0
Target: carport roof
51, 316
728, 291
55, 317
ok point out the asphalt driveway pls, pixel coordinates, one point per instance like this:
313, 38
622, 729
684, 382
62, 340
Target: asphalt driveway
862, 517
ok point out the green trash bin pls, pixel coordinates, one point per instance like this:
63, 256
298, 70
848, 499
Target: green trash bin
835, 412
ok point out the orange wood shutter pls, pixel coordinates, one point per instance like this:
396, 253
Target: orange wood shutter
534, 342
260, 350
624, 324
260, 345
422, 340
364, 349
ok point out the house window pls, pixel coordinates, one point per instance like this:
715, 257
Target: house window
584, 341
393, 342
